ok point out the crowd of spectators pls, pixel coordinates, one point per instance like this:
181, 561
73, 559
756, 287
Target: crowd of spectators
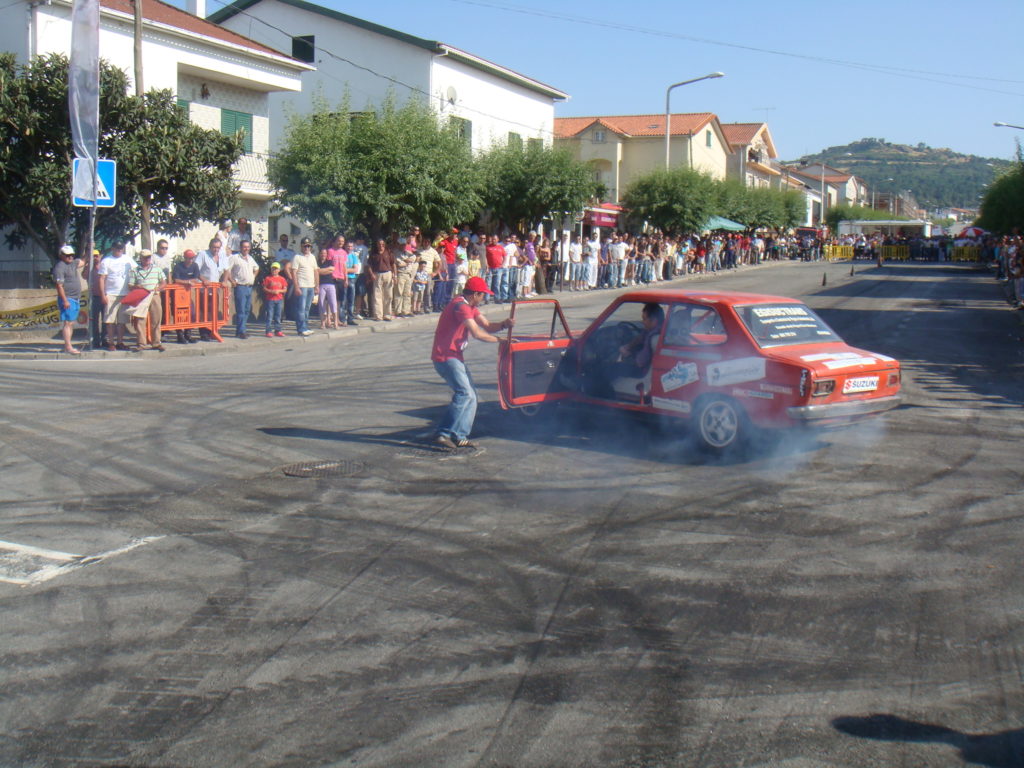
350, 281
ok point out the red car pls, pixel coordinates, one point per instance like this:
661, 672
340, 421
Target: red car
725, 361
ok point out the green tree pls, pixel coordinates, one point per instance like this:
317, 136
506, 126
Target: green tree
381, 170
678, 200
172, 174
1002, 208
521, 184
35, 147
183, 171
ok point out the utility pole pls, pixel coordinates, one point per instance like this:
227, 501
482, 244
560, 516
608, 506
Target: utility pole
147, 216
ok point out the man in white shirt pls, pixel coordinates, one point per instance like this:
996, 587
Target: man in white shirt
114, 272
510, 278
575, 264
616, 259
305, 276
242, 269
213, 268
235, 237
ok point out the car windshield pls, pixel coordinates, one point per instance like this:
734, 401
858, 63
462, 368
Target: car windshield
779, 325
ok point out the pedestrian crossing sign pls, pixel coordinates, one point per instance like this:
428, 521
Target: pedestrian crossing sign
106, 188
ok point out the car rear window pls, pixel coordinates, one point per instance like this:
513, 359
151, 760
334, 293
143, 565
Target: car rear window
780, 325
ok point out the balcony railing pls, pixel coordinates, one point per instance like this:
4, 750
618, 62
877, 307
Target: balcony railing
251, 174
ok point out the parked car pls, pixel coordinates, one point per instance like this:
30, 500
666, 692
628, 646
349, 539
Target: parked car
724, 362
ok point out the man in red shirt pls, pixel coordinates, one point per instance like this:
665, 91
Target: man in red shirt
495, 262
460, 320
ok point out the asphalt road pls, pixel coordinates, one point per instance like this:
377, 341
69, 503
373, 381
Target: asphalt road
590, 592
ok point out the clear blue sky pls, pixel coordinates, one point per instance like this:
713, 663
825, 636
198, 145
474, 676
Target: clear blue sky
907, 71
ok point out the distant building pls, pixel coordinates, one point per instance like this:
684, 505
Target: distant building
624, 147
752, 160
850, 189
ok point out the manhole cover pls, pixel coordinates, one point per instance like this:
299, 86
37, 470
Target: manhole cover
325, 469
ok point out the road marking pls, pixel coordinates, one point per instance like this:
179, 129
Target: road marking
23, 564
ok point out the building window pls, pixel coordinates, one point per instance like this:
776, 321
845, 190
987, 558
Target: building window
231, 122
599, 137
515, 140
463, 127
707, 138
304, 48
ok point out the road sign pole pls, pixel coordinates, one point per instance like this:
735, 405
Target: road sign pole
94, 332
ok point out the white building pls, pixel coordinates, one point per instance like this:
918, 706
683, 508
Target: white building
369, 61
221, 77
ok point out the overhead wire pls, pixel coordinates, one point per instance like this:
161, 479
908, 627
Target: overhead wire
914, 74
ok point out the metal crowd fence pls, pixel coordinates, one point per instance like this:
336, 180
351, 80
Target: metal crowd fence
838, 252
965, 253
895, 252
188, 307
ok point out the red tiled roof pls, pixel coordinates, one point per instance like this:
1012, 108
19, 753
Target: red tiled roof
739, 134
162, 13
634, 125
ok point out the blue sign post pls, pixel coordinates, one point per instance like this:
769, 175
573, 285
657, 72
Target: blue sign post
106, 189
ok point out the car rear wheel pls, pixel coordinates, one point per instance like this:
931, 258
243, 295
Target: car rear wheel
721, 424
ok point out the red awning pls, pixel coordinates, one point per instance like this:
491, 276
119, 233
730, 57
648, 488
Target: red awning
602, 217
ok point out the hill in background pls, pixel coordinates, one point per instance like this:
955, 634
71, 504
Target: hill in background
937, 177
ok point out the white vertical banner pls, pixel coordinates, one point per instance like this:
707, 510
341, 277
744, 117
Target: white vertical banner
84, 94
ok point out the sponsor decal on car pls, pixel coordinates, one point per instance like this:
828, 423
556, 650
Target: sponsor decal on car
753, 393
670, 405
679, 375
835, 361
737, 371
776, 388
860, 384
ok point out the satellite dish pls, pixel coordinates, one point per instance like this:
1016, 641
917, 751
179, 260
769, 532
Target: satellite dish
451, 95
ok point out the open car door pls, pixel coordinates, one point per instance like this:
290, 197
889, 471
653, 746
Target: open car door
533, 365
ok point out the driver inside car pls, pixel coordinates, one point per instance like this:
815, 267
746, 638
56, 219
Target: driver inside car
635, 355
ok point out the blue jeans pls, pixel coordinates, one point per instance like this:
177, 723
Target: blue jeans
243, 306
303, 303
513, 283
274, 310
347, 300
457, 421
497, 277
614, 274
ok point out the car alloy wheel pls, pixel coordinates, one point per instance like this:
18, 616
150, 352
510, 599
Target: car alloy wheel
720, 424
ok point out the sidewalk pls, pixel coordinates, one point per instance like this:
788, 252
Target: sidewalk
46, 343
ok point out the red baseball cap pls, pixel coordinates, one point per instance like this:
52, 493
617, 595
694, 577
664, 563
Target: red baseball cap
478, 285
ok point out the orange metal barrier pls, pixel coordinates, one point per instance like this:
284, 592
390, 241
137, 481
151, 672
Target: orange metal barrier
195, 306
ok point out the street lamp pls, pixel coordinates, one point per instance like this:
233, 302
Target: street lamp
1009, 125
668, 111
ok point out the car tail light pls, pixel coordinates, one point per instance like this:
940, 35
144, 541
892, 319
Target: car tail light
894, 379
823, 387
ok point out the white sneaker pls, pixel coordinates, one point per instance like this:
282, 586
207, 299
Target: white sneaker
307, 333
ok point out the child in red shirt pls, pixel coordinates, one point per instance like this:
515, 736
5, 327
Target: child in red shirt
274, 288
